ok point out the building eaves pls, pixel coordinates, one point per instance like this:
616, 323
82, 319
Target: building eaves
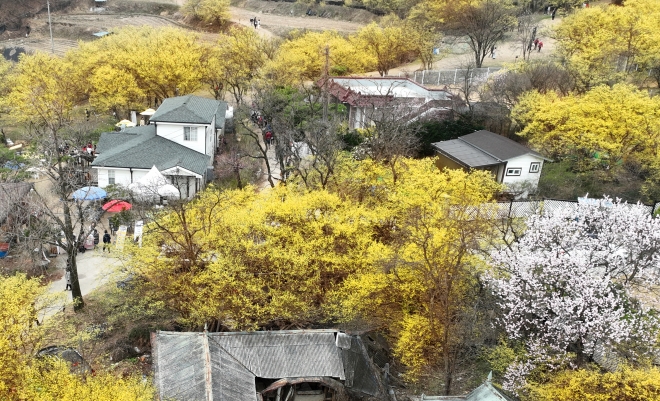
465, 154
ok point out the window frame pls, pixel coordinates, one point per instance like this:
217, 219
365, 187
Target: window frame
535, 164
188, 134
111, 177
518, 169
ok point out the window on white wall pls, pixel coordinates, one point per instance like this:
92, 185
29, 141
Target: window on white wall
189, 133
535, 167
513, 171
111, 177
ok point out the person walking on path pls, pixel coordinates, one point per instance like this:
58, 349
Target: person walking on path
540, 45
554, 12
106, 241
67, 275
536, 43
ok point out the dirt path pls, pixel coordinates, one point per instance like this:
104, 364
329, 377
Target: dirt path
506, 53
278, 22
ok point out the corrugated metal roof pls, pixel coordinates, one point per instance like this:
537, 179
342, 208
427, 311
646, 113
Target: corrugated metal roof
485, 392
179, 365
273, 355
236, 359
231, 380
359, 374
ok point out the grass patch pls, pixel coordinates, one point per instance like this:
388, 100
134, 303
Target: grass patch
560, 181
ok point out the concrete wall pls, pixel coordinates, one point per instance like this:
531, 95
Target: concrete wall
174, 132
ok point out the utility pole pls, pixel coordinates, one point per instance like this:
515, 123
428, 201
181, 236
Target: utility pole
50, 25
326, 76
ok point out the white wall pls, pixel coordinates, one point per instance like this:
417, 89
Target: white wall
122, 176
210, 143
138, 174
174, 132
523, 162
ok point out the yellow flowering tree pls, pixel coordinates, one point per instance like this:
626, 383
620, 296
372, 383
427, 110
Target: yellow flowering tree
23, 376
420, 291
134, 66
626, 384
237, 60
390, 44
303, 57
246, 261
215, 12
606, 44
606, 126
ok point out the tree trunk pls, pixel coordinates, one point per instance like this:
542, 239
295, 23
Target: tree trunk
72, 267
72, 251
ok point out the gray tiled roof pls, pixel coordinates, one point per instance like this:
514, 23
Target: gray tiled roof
232, 361
498, 146
141, 148
483, 148
191, 109
465, 154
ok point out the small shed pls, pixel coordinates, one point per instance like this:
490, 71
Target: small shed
510, 162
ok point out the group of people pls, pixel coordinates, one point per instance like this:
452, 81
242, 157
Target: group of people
538, 44
266, 128
256, 22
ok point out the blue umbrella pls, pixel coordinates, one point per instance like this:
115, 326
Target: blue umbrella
89, 193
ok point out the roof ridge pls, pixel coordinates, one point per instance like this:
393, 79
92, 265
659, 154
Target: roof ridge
479, 149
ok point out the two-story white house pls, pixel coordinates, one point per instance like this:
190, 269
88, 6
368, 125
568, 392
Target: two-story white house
181, 141
511, 163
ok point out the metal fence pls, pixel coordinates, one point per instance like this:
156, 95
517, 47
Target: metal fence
522, 209
450, 77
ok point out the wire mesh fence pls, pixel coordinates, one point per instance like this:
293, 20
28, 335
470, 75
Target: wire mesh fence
450, 77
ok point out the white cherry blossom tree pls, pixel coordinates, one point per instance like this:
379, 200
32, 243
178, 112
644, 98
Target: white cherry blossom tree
568, 285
